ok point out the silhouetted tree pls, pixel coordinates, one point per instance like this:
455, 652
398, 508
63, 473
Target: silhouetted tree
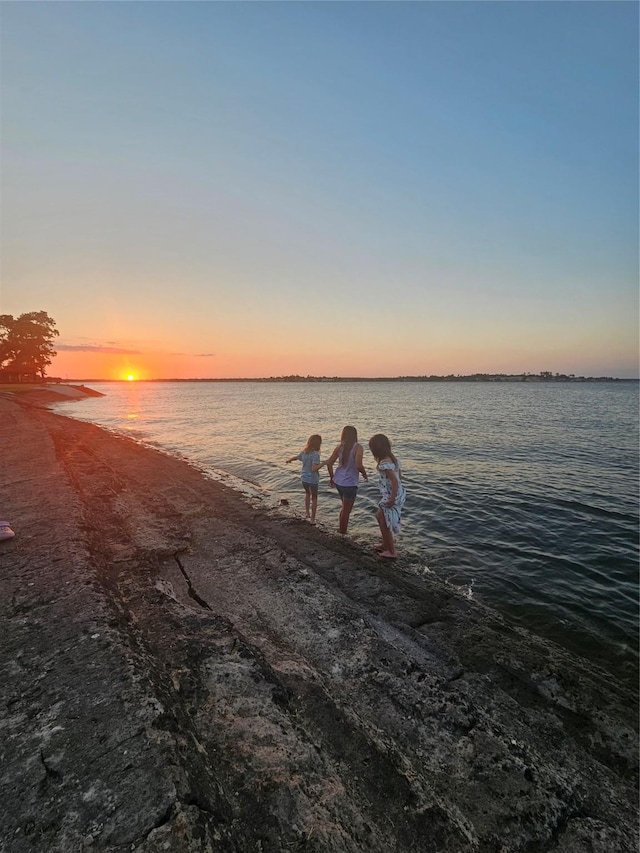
26, 342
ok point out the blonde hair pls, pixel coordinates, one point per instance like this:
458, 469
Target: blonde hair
313, 443
349, 439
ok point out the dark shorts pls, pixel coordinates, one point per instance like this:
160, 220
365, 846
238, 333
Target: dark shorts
347, 493
311, 487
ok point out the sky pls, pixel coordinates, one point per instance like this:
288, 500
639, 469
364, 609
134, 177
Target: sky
254, 189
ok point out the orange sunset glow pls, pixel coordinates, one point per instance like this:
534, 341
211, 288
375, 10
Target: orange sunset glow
439, 357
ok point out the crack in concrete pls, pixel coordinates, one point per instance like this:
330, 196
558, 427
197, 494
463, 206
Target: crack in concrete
116, 746
190, 587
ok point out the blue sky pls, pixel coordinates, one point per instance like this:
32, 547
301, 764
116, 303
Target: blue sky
249, 189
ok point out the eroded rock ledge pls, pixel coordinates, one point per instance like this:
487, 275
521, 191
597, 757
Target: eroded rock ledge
183, 671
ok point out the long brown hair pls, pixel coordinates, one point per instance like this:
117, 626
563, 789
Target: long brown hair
313, 443
380, 446
348, 438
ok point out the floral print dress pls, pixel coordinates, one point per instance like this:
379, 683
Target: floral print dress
393, 513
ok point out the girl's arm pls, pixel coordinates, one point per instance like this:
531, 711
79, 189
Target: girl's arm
359, 463
293, 458
394, 487
316, 466
330, 461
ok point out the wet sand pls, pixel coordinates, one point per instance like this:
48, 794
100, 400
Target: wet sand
185, 671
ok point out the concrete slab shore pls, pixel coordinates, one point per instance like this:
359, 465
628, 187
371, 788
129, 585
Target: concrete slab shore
185, 671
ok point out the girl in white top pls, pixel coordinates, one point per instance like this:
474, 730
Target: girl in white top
392, 493
349, 456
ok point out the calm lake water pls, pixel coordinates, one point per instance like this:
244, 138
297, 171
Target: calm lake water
523, 495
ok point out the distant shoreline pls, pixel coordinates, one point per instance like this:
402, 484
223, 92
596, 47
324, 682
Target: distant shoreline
476, 377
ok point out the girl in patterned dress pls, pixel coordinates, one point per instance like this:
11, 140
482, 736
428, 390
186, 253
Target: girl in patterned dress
392, 492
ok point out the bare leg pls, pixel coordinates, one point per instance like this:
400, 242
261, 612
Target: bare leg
345, 512
314, 506
307, 501
387, 536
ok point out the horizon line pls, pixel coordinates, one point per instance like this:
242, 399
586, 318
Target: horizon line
545, 376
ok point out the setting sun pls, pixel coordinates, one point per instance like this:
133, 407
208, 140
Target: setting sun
130, 377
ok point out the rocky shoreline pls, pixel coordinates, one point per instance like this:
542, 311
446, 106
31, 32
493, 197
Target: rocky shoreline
185, 671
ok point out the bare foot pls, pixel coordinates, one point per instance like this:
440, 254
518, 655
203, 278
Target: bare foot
387, 555
378, 547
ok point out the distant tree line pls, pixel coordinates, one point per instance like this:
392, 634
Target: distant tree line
543, 376
26, 346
